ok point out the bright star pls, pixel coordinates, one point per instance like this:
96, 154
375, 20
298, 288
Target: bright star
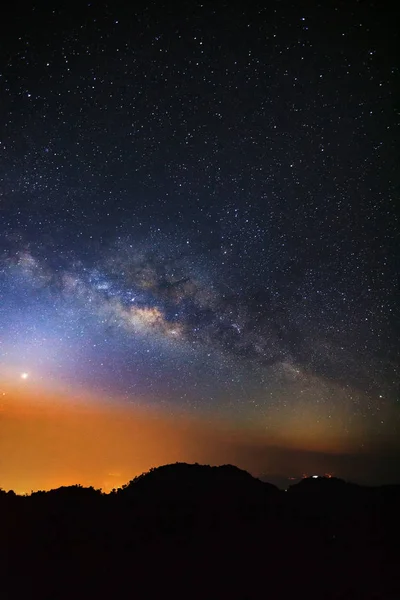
24, 375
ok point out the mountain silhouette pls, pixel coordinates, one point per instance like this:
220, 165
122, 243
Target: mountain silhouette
324, 485
196, 531
182, 481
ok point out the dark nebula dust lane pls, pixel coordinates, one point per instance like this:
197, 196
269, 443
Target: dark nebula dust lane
197, 215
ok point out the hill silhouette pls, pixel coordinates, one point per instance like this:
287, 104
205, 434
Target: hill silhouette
195, 531
182, 483
196, 477
324, 485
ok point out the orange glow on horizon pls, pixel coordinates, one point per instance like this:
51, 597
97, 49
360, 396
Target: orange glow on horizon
49, 439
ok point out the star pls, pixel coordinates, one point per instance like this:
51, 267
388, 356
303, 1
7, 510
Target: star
234, 258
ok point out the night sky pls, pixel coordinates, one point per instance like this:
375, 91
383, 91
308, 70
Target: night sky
197, 224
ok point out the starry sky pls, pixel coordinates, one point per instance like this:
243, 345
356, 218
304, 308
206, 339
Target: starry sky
197, 239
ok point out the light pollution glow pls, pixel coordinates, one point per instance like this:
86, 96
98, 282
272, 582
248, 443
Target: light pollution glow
48, 439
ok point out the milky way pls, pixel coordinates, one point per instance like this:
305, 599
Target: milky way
198, 212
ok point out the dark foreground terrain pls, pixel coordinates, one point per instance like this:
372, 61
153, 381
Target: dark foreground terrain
191, 531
